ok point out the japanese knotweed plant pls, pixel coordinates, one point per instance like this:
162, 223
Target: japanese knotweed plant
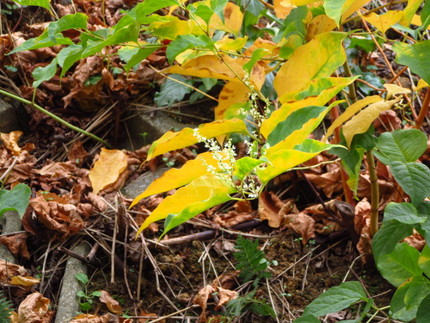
218, 39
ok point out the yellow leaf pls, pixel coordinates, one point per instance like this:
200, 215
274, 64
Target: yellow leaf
233, 92
385, 21
107, 169
283, 8
316, 59
393, 89
302, 2
176, 177
352, 6
201, 194
209, 66
319, 25
421, 84
409, 11
304, 98
24, 280
227, 43
233, 18
350, 112
11, 140
186, 137
362, 121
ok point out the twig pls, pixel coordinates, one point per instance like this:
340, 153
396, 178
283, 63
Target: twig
424, 110
374, 189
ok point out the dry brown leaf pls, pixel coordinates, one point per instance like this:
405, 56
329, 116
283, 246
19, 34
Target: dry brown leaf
302, 224
110, 302
387, 121
416, 240
10, 141
24, 280
90, 318
77, 153
362, 227
269, 206
107, 169
34, 309
8, 270
17, 244
201, 299
242, 211
330, 182
225, 295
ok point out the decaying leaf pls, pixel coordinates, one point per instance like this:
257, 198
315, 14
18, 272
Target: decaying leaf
302, 224
107, 169
110, 302
35, 308
362, 227
24, 280
269, 206
17, 244
10, 141
242, 211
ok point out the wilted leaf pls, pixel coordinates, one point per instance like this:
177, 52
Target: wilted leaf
107, 169
110, 302
186, 137
385, 21
233, 92
301, 223
362, 121
393, 89
201, 299
24, 280
269, 206
34, 308
10, 141
17, 244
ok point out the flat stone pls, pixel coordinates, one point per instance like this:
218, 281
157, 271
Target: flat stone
144, 128
141, 183
11, 222
9, 120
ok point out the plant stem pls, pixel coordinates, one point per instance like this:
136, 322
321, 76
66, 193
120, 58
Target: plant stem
424, 110
55, 117
374, 190
351, 86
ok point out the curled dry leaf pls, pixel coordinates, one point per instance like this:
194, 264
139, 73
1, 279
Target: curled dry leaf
10, 141
107, 169
90, 318
330, 182
302, 224
362, 227
17, 244
24, 280
242, 211
416, 240
34, 309
110, 302
269, 206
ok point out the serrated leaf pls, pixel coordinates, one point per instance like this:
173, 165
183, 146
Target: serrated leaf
38, 3
361, 122
385, 21
42, 74
325, 52
403, 212
172, 91
414, 178
318, 92
184, 42
176, 177
336, 299
186, 137
390, 233
404, 145
251, 261
15, 200
415, 56
188, 201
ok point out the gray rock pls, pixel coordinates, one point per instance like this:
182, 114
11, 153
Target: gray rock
137, 186
144, 128
68, 304
11, 222
9, 120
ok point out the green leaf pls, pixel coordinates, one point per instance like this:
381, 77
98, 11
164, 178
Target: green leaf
141, 10
245, 165
41, 74
38, 3
414, 178
255, 7
425, 13
172, 91
307, 319
41, 42
82, 278
202, 11
73, 21
132, 55
15, 200
390, 233
399, 265
424, 260
191, 200
403, 212
251, 261
256, 56
69, 56
334, 8
405, 145
336, 299
423, 313
295, 121
218, 7
415, 56
408, 297
184, 42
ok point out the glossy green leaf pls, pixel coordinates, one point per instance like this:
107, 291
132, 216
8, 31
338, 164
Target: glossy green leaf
390, 233
15, 200
405, 145
403, 212
38, 3
336, 299
184, 42
187, 136
408, 297
41, 74
414, 178
245, 165
188, 201
423, 313
415, 56
400, 264
424, 260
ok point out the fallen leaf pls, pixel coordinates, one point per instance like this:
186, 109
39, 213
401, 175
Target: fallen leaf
362, 227
110, 302
24, 280
301, 223
269, 206
34, 309
17, 244
107, 169
10, 141
201, 299
416, 240
225, 295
